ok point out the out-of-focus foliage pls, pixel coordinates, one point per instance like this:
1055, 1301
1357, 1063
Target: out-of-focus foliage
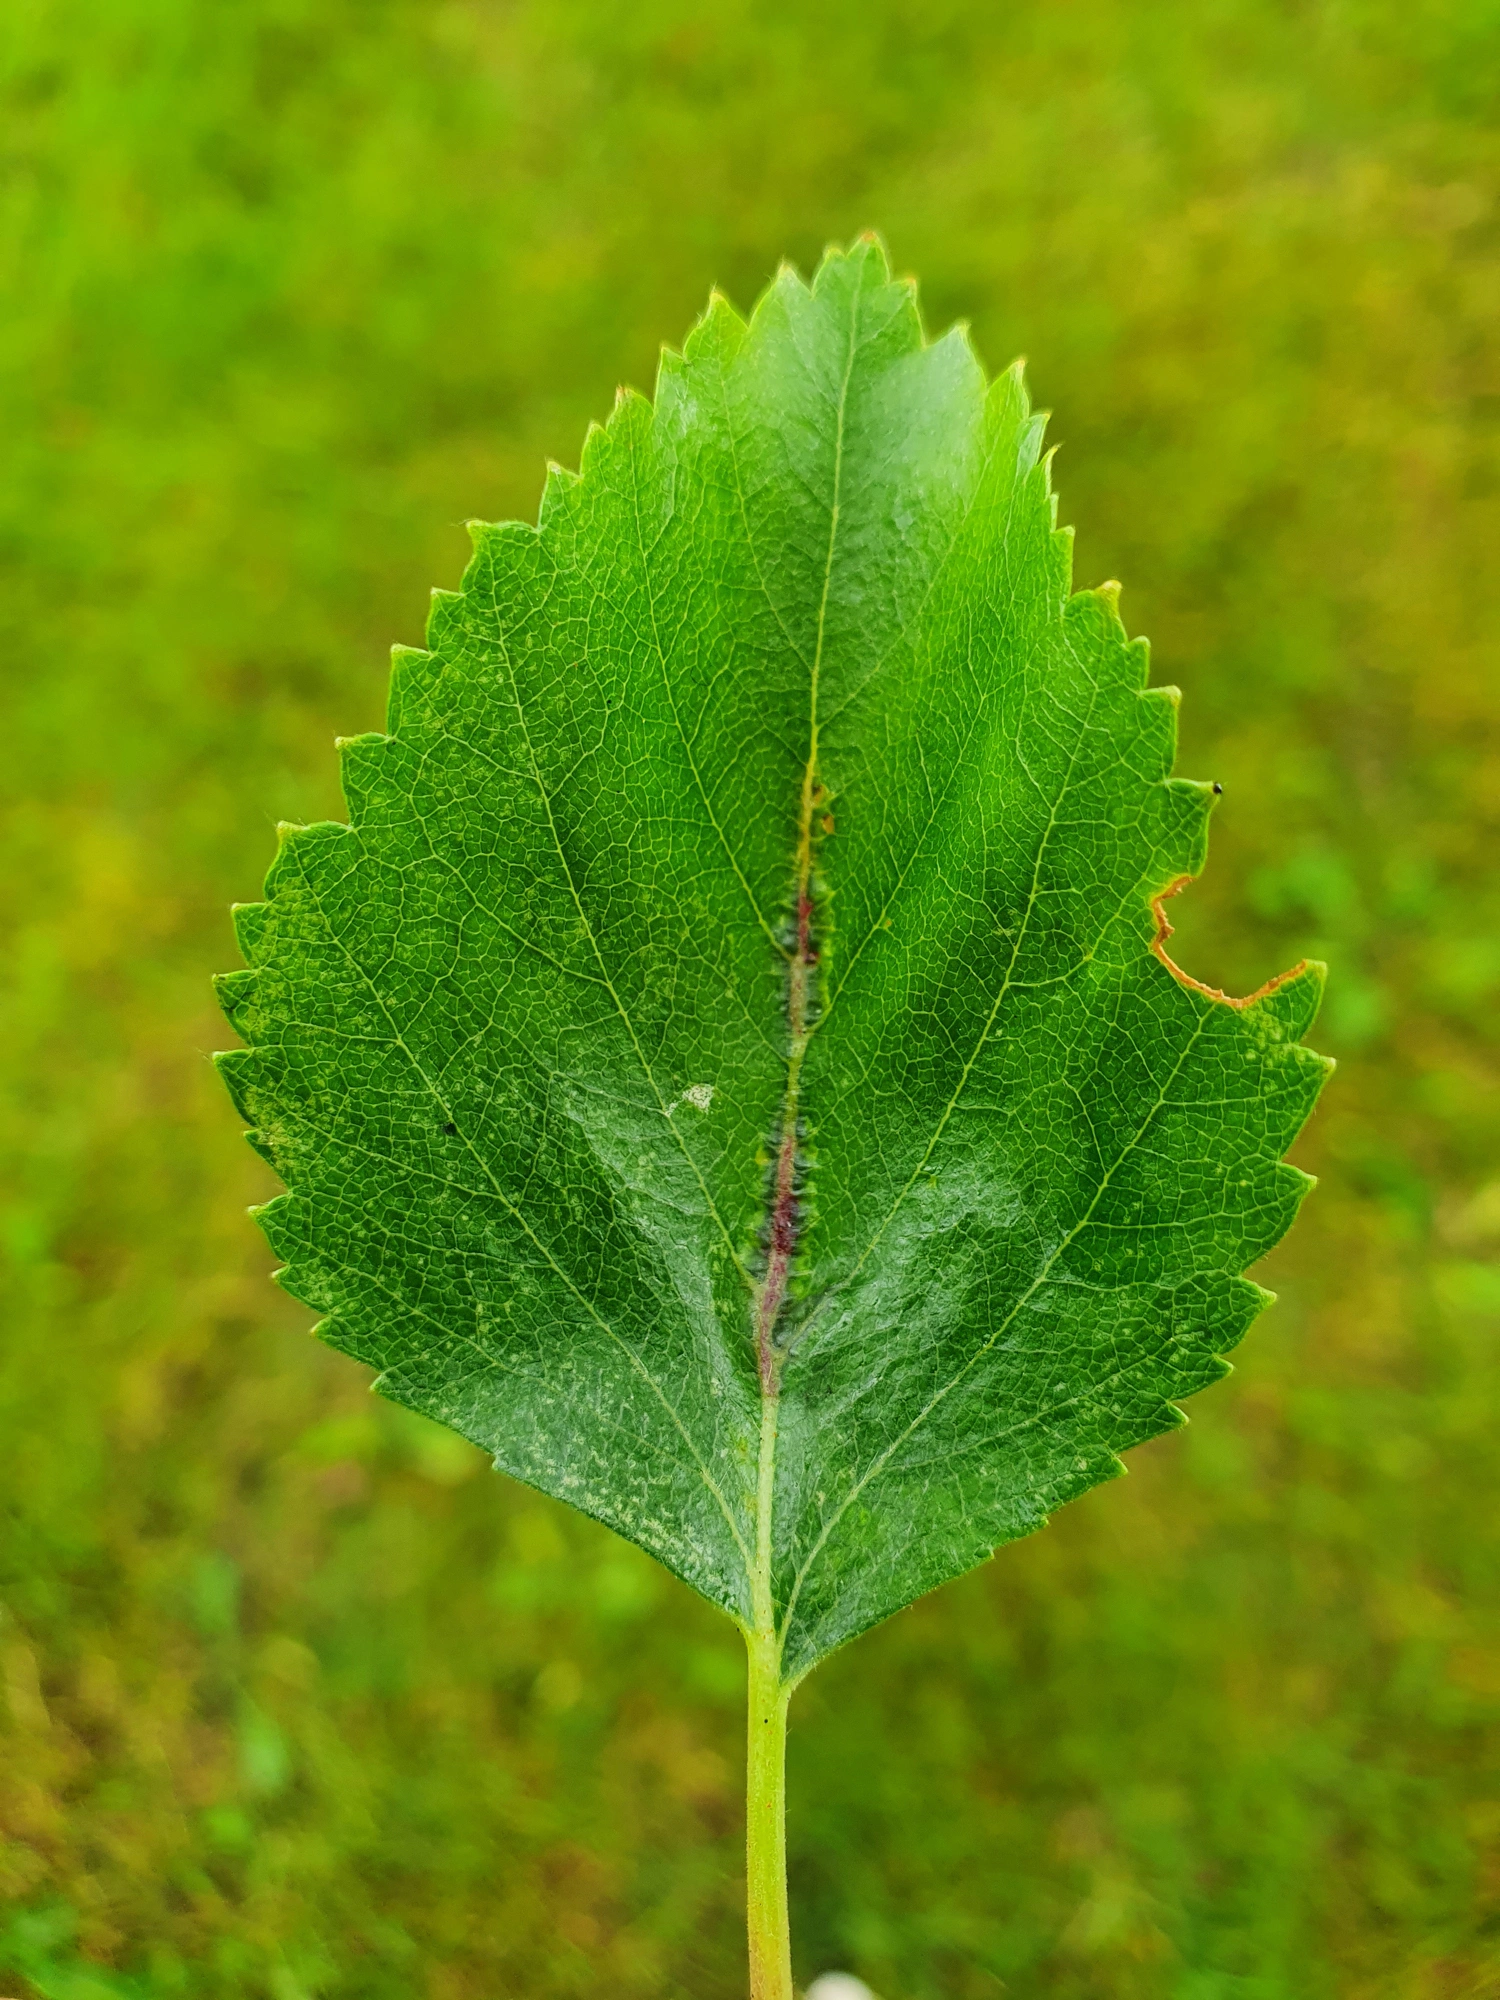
300, 1701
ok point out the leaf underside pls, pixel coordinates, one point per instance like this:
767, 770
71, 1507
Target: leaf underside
741, 984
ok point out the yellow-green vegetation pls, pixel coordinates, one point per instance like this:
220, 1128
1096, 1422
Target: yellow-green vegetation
300, 1701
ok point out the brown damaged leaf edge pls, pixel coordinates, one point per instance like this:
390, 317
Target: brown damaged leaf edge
1164, 930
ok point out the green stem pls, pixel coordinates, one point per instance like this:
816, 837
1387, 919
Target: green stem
765, 1758
765, 1823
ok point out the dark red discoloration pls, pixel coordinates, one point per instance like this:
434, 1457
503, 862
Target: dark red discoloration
781, 1249
781, 1245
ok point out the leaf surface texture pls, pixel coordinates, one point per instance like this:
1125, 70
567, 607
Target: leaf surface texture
743, 972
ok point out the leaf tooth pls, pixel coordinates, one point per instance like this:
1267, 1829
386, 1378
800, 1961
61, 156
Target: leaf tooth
283, 1222
250, 921
788, 279
1290, 1002
591, 461
1093, 612
505, 558
299, 846
1188, 805
484, 535
496, 541
718, 336
306, 1284
1217, 1311
866, 254
363, 762
240, 1070
1158, 709
445, 621
559, 488
413, 672
1031, 461
234, 992
629, 421
627, 428
1137, 651
1007, 402
591, 436
1156, 746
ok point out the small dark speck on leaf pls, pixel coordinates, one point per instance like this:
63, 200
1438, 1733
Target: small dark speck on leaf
450, 1130
1218, 790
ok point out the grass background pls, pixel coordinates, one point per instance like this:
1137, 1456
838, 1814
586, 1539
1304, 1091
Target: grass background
302, 1703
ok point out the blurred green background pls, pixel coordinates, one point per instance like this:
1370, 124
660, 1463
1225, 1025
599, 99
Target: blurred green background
300, 1702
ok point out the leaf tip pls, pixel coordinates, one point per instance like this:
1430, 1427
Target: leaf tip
868, 247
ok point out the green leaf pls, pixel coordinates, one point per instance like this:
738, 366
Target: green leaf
729, 1067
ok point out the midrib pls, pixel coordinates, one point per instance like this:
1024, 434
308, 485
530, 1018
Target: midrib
770, 1297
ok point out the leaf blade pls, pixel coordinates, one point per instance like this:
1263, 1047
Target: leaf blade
538, 1043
